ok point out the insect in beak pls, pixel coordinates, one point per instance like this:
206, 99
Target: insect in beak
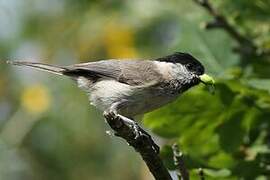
208, 81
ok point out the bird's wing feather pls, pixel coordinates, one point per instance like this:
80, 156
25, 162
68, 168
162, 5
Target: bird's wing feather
132, 72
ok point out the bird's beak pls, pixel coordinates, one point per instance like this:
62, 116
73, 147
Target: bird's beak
206, 79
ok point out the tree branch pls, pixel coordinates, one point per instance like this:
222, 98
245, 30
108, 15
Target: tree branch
246, 46
201, 174
142, 144
179, 163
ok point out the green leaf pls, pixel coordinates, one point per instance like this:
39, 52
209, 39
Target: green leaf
231, 132
226, 94
263, 84
217, 173
176, 118
166, 154
248, 169
222, 160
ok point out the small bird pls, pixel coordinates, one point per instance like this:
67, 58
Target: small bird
132, 87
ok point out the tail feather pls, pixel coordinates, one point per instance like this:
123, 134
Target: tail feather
44, 67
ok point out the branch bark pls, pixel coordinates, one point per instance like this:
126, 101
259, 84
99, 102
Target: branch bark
182, 173
246, 46
201, 174
142, 144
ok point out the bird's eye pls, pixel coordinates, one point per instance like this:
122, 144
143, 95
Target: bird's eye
194, 68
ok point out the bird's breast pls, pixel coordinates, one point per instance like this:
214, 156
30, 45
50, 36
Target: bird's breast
137, 100
106, 92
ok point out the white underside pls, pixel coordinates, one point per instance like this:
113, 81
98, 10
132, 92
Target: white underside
106, 92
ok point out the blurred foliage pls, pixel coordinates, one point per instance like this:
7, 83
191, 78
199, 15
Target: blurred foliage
49, 131
247, 15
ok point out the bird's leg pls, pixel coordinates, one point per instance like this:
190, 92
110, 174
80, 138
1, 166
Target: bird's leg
112, 113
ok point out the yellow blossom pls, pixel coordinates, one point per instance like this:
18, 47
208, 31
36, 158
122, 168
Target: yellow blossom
119, 41
35, 99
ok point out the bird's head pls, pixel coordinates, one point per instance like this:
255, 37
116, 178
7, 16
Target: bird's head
189, 69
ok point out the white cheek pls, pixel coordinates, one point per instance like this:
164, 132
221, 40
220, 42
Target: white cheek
165, 68
171, 70
180, 72
180, 69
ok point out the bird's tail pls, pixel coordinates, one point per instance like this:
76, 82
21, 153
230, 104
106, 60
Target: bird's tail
40, 66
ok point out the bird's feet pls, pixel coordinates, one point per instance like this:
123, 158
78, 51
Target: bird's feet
111, 117
138, 131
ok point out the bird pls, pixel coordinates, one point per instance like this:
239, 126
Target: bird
132, 87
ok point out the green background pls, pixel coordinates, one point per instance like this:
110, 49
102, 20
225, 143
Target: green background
48, 130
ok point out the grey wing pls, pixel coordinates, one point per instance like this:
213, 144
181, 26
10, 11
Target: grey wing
132, 72
99, 69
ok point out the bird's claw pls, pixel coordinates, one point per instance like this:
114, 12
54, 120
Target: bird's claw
138, 131
110, 115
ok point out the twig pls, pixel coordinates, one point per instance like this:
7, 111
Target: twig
246, 46
143, 145
179, 163
201, 174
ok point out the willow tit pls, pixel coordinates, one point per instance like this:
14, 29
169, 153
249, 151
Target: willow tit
132, 87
